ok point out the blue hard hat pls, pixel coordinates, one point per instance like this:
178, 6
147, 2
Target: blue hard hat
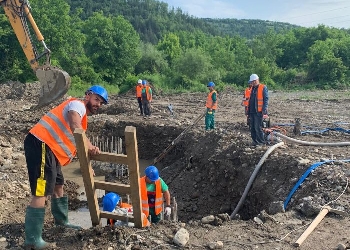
211, 84
99, 90
152, 173
110, 201
144, 82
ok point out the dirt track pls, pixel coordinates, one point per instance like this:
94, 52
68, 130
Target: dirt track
206, 172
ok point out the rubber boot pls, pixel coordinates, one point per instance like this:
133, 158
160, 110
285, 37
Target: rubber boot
59, 209
34, 223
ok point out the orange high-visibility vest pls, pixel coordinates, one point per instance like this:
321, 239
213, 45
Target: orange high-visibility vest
54, 131
259, 97
144, 198
149, 96
139, 90
245, 101
209, 103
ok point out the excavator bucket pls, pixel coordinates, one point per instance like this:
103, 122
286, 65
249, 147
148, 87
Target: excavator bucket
54, 84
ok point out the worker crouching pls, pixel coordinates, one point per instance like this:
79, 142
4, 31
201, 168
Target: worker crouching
113, 204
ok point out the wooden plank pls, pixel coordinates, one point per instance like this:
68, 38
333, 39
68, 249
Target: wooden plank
134, 174
116, 216
110, 157
87, 173
311, 227
113, 187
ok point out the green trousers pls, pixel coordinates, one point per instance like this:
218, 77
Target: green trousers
154, 218
209, 120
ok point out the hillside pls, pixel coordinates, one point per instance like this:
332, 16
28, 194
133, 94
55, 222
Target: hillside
247, 28
151, 19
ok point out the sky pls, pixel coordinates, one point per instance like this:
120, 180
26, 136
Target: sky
306, 13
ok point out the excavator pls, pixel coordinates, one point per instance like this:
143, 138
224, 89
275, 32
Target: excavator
54, 81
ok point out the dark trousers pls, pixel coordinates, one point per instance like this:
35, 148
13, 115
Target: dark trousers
256, 131
140, 105
146, 108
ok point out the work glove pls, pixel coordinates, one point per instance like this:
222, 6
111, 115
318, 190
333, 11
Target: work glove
167, 211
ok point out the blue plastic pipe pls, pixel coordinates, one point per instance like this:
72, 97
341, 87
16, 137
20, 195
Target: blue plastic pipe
303, 177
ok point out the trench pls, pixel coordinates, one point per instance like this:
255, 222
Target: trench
205, 177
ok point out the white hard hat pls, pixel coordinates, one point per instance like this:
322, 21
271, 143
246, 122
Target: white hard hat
253, 77
139, 81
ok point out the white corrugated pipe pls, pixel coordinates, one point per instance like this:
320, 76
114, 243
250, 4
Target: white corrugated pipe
252, 177
328, 144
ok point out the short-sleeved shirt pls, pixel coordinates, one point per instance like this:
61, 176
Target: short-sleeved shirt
151, 187
74, 105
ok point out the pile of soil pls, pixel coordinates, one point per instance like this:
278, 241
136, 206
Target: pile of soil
207, 173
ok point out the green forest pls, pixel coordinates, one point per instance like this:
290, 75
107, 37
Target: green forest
116, 42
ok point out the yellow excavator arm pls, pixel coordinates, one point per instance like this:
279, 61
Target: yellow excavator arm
54, 81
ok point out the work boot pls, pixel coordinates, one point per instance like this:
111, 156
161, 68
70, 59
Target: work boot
59, 209
33, 225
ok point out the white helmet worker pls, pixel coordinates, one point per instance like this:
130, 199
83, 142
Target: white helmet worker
253, 77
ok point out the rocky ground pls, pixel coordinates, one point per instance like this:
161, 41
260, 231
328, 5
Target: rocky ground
207, 172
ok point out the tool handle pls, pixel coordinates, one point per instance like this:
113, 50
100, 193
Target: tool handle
312, 226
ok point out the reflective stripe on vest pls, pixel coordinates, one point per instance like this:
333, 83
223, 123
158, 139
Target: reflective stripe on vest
144, 198
209, 103
54, 131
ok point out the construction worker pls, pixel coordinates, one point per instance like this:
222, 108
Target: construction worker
211, 106
153, 189
48, 146
257, 109
245, 100
113, 204
139, 88
146, 96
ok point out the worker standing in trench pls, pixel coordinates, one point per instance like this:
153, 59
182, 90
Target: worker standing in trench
211, 106
48, 146
113, 204
153, 190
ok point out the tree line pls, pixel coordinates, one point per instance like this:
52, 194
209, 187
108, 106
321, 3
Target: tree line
114, 43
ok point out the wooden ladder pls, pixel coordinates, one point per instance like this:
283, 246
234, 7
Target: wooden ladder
91, 185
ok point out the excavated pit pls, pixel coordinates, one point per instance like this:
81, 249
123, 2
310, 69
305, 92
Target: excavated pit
207, 172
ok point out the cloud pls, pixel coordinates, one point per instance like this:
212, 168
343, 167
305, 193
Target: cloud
305, 13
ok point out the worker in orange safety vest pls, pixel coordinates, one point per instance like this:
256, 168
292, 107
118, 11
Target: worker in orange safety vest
245, 100
49, 146
146, 97
153, 189
211, 105
112, 203
139, 88
257, 109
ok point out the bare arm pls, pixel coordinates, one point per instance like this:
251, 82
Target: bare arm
166, 195
74, 120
